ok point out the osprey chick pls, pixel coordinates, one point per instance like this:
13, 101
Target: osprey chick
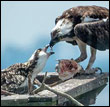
16, 75
82, 26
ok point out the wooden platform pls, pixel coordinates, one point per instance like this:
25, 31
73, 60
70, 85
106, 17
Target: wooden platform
75, 87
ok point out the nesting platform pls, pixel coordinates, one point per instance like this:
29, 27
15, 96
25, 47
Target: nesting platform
75, 87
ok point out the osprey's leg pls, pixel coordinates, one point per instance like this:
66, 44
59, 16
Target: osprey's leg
30, 84
90, 70
82, 47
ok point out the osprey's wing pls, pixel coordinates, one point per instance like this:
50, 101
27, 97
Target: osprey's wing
95, 34
13, 76
85, 14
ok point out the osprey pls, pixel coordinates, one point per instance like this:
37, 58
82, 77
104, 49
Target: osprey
82, 26
16, 75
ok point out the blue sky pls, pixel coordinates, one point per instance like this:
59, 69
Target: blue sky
26, 26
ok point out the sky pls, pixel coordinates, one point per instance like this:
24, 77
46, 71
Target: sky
26, 26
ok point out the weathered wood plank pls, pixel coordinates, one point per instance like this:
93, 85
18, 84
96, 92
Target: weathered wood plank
75, 87
81, 86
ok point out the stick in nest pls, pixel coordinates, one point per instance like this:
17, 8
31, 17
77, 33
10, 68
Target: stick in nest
43, 86
4, 92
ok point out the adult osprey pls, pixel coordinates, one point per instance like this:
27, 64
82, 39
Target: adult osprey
83, 25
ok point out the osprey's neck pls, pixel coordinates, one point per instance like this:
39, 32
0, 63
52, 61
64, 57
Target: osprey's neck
32, 57
31, 65
36, 63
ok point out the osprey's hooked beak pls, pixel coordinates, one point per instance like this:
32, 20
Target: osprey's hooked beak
45, 50
55, 37
54, 41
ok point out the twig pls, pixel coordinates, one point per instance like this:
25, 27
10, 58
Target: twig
55, 83
43, 86
4, 92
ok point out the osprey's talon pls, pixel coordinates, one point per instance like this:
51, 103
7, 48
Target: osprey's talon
98, 69
93, 70
89, 71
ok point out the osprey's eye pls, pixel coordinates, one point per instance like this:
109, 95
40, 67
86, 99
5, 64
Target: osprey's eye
39, 50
